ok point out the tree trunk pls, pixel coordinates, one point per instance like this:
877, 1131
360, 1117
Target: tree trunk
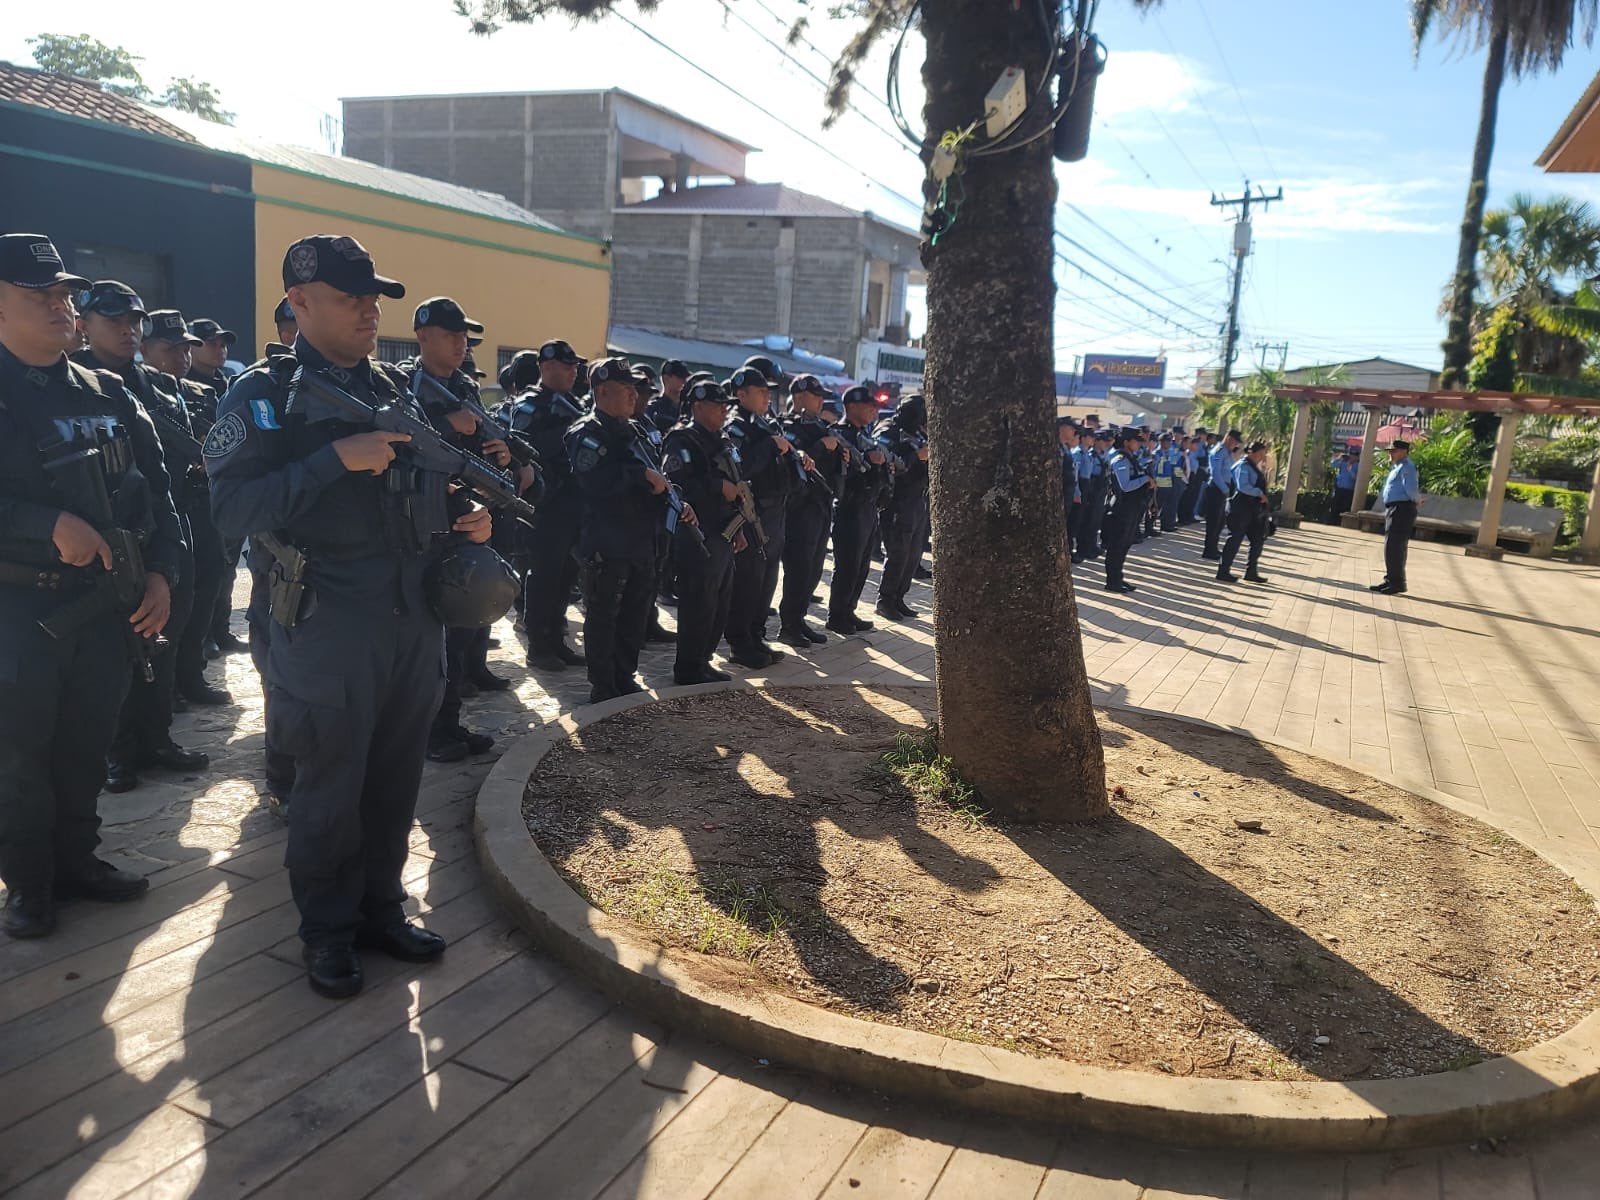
1014, 707
1458, 333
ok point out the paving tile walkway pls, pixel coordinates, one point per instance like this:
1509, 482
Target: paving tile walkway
171, 1047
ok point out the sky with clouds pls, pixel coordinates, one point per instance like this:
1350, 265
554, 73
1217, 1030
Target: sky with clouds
1321, 97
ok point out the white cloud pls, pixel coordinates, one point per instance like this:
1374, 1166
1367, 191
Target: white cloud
1140, 80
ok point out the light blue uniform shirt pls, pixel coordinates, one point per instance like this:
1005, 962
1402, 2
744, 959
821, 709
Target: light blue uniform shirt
1244, 478
1344, 473
1402, 483
1088, 463
1222, 469
1164, 463
1127, 474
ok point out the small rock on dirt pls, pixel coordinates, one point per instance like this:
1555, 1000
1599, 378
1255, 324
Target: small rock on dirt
1249, 825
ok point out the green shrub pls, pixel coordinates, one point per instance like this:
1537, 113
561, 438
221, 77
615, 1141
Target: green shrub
1574, 506
1570, 458
1452, 464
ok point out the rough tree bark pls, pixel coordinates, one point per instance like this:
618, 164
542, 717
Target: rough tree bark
1013, 694
1458, 331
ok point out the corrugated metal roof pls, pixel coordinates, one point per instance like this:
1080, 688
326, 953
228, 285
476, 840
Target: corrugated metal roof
359, 173
766, 199
83, 98
646, 343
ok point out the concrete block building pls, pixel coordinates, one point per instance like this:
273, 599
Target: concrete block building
698, 250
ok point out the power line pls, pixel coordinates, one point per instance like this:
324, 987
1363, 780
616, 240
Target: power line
1130, 299
1204, 107
1137, 282
1222, 55
1156, 267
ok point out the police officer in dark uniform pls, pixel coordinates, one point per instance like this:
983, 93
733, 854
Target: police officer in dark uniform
166, 348
544, 415
1130, 487
855, 516
644, 395
671, 406
443, 331
208, 359
352, 692
905, 516
698, 457
287, 327
65, 431
613, 471
805, 543
113, 318
764, 461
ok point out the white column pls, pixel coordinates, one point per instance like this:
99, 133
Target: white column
1297, 457
1494, 501
1588, 547
1369, 447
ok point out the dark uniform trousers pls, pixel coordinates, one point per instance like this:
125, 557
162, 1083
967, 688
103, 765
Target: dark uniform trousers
904, 529
552, 569
146, 720
805, 549
1214, 507
210, 568
350, 696
705, 589
618, 597
1343, 498
58, 708
755, 580
855, 528
1191, 497
1399, 519
465, 651
1120, 527
1247, 518
1167, 504
1092, 520
258, 622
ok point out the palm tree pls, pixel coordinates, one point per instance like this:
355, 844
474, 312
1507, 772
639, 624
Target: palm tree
1530, 249
1525, 36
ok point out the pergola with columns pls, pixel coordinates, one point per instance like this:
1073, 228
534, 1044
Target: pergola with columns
1509, 406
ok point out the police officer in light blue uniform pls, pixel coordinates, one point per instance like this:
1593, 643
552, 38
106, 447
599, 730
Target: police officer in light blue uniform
1217, 492
1344, 482
1071, 495
1167, 466
1096, 486
1402, 492
1129, 499
1247, 515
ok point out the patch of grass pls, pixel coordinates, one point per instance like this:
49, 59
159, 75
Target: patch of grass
1462, 1062
722, 917
915, 761
1580, 898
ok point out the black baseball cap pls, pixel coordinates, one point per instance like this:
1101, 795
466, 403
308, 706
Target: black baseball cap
521, 372
861, 395
675, 367
441, 312
340, 262
644, 376
284, 314
31, 260
168, 325
748, 376
111, 298
206, 330
560, 351
610, 370
1398, 444
707, 390
770, 370
809, 384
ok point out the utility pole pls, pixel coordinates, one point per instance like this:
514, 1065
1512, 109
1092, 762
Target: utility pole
1283, 353
1241, 247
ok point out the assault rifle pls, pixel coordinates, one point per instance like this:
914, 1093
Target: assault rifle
521, 449
674, 521
426, 449
81, 474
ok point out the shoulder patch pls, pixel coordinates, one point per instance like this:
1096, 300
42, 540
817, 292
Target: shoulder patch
262, 412
226, 436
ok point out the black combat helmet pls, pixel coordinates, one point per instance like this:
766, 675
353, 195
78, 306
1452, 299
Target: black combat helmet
469, 586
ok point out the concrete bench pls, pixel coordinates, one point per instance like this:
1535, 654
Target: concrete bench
1531, 526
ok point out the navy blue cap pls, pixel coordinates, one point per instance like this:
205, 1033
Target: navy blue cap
611, 370
340, 262
708, 390
441, 312
521, 372
560, 351
31, 260
770, 370
808, 384
168, 325
110, 298
675, 367
861, 395
206, 329
284, 314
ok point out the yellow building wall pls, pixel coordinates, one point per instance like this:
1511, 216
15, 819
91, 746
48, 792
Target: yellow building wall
526, 285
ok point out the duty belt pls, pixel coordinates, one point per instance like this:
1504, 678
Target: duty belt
45, 579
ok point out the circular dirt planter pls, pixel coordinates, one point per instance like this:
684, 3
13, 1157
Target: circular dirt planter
727, 1000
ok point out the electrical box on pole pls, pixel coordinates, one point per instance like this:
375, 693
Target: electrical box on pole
1241, 249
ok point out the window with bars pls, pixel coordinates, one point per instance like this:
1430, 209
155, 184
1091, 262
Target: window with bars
393, 350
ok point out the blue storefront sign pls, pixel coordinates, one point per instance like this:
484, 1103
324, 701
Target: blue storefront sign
1103, 371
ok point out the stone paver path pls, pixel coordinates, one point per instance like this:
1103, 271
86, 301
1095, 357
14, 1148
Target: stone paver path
171, 1047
